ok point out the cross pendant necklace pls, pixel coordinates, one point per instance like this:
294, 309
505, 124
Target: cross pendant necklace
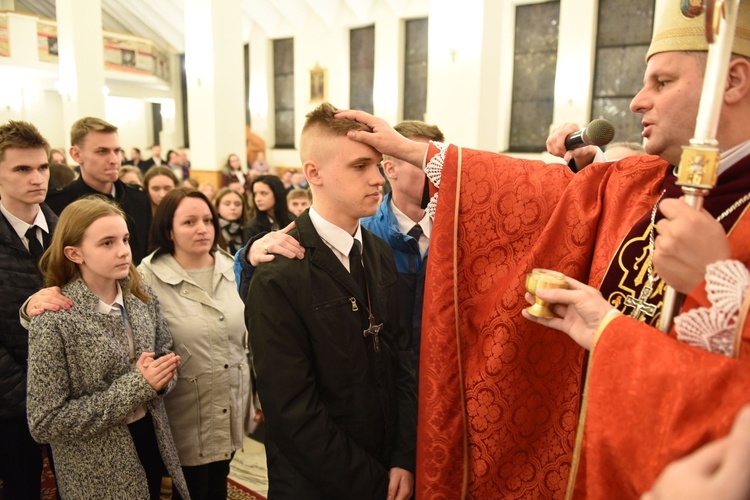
641, 307
373, 330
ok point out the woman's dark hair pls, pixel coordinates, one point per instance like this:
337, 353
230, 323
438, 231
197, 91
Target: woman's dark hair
280, 210
161, 227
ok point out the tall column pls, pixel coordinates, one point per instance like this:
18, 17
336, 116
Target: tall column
214, 70
576, 55
454, 68
81, 61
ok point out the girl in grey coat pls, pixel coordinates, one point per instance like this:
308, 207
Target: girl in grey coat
98, 370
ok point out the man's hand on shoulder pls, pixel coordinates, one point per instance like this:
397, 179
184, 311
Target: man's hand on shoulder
400, 484
275, 243
47, 299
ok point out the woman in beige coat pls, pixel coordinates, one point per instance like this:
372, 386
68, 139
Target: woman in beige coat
194, 282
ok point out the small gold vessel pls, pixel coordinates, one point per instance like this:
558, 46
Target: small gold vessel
543, 278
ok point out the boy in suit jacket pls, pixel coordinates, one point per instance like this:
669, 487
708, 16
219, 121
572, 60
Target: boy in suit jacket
334, 376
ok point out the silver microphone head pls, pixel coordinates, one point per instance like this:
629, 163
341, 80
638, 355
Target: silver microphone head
599, 132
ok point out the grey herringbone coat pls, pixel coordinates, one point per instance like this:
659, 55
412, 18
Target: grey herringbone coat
81, 386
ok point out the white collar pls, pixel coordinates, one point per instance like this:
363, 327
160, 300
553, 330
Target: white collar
117, 306
733, 155
336, 237
405, 223
20, 226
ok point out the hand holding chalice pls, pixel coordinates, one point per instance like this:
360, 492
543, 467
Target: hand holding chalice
543, 278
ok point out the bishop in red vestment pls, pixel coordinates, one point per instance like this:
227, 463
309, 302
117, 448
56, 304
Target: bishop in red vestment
500, 396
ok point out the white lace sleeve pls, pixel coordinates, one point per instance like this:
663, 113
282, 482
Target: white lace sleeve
434, 169
713, 328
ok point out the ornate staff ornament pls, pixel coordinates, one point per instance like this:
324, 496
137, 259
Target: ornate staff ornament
699, 163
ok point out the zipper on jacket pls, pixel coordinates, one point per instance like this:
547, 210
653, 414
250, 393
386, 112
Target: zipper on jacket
241, 415
354, 304
194, 381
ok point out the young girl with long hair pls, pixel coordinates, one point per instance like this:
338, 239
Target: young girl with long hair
98, 370
232, 211
157, 182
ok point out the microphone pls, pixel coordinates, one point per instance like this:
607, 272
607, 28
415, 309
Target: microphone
597, 133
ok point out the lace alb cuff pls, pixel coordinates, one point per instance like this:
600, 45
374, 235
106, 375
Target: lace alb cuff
434, 170
714, 328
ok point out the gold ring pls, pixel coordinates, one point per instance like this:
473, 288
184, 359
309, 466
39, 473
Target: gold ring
266, 249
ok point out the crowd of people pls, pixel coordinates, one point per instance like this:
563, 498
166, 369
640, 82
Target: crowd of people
159, 323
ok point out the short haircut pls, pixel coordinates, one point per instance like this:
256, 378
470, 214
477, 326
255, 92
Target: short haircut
416, 128
298, 193
322, 121
159, 170
137, 150
21, 135
325, 116
161, 229
85, 126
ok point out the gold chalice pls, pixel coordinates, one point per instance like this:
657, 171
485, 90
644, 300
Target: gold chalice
543, 278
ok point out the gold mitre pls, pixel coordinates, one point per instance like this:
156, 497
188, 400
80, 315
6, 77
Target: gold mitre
675, 32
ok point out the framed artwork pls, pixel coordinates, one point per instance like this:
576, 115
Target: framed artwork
318, 84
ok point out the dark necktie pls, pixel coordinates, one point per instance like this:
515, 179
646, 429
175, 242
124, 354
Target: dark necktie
355, 265
35, 248
415, 233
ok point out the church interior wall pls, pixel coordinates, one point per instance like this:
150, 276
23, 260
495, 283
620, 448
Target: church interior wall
470, 71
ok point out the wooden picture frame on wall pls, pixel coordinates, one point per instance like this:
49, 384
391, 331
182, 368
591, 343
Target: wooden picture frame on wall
318, 84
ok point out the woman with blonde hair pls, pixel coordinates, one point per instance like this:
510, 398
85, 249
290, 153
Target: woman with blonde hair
99, 369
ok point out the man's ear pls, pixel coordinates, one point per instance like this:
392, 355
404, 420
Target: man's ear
75, 153
737, 85
389, 169
73, 254
312, 173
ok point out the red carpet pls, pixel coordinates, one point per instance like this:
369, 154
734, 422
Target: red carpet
236, 491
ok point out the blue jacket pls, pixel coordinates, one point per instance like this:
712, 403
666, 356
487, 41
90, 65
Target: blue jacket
385, 226
406, 253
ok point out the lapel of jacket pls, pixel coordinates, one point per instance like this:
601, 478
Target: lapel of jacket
322, 256
372, 267
9, 236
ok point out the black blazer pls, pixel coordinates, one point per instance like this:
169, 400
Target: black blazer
19, 278
339, 415
144, 165
134, 202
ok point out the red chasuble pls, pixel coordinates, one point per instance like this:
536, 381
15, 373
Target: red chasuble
651, 399
499, 395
